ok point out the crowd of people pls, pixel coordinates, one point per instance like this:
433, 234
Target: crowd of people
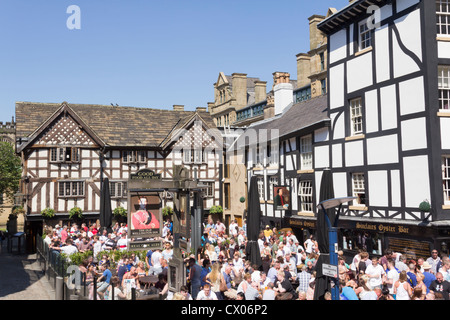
219, 268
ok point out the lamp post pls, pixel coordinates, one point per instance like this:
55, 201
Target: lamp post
18, 199
332, 238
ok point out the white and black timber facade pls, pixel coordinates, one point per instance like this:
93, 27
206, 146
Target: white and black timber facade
67, 150
389, 142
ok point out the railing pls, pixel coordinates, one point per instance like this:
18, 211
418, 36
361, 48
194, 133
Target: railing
64, 280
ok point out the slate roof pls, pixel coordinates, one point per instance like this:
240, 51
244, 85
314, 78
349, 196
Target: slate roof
294, 118
115, 126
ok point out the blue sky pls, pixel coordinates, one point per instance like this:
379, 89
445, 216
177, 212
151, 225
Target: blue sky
145, 53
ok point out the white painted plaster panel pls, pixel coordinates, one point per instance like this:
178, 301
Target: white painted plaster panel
396, 188
412, 96
340, 184
321, 135
382, 56
388, 107
354, 153
336, 84
445, 133
322, 157
359, 72
339, 126
409, 27
378, 188
444, 49
414, 134
382, 150
417, 182
337, 155
371, 111
338, 46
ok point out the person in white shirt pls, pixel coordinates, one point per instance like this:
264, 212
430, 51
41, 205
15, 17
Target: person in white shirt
391, 276
206, 293
97, 246
376, 274
69, 249
233, 228
156, 267
269, 293
309, 244
241, 237
122, 243
401, 264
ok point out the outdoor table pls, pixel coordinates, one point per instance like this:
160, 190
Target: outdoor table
148, 280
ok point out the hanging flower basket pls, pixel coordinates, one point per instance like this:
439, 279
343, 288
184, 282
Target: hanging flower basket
167, 211
120, 212
48, 213
75, 213
216, 210
425, 206
242, 199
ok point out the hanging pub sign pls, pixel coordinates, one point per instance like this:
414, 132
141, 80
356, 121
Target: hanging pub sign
145, 217
144, 212
282, 198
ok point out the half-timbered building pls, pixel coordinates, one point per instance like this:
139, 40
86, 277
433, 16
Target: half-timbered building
281, 152
67, 150
389, 141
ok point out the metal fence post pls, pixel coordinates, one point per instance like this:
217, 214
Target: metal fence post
59, 288
95, 287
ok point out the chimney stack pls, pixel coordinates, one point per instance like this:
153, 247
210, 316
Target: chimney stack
177, 107
260, 91
283, 91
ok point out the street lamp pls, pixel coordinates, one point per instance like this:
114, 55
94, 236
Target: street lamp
332, 240
18, 199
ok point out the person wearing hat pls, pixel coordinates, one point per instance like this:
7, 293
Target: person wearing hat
58, 230
428, 276
268, 232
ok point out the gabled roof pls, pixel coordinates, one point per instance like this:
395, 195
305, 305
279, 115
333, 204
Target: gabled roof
112, 125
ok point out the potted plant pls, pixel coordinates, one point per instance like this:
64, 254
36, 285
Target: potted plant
120, 213
48, 213
75, 213
242, 199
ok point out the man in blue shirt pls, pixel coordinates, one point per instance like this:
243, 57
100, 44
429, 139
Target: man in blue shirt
104, 280
348, 292
411, 275
429, 277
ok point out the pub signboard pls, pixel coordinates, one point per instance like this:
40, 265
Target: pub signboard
144, 212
